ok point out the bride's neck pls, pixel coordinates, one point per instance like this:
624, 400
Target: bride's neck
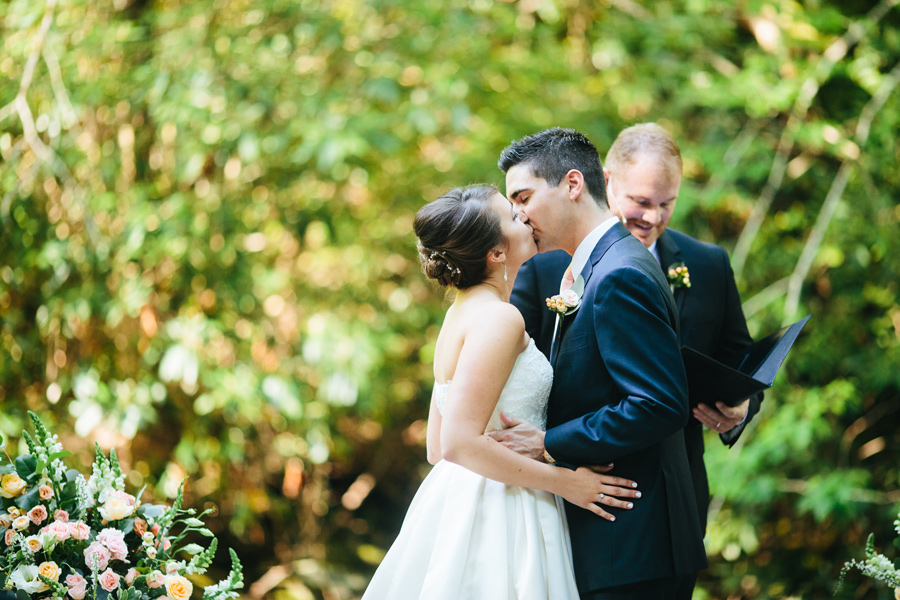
488, 289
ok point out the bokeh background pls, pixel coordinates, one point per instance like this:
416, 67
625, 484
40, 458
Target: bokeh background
207, 263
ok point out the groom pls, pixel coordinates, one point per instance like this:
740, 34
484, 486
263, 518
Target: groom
619, 390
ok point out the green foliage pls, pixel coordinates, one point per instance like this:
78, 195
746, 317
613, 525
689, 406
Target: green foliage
206, 251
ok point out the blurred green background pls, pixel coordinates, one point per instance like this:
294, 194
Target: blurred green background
207, 263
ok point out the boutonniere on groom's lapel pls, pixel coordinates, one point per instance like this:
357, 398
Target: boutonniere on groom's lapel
678, 276
568, 301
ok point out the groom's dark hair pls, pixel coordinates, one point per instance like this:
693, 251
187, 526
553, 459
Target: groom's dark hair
552, 153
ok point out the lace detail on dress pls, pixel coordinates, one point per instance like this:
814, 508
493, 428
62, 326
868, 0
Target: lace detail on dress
525, 394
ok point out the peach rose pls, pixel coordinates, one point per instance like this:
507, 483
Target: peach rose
131, 575
140, 526
45, 492
61, 516
77, 586
11, 485
178, 588
108, 580
33, 543
38, 514
10, 536
6, 521
79, 530
50, 570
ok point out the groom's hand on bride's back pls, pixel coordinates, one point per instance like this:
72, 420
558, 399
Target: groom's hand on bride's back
526, 439
521, 437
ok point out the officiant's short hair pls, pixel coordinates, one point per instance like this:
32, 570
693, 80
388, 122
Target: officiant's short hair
552, 153
645, 138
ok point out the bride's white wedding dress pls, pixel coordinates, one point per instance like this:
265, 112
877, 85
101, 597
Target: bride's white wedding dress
466, 537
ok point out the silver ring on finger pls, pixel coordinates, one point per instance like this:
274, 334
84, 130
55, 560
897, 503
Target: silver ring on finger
602, 496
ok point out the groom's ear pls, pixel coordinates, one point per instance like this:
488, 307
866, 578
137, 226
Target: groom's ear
575, 182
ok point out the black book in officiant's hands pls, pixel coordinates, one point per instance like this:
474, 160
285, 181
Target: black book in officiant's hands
710, 381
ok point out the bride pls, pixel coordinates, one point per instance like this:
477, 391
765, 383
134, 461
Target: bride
485, 523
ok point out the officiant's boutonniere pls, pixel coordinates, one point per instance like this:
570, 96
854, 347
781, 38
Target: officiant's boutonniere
567, 302
678, 276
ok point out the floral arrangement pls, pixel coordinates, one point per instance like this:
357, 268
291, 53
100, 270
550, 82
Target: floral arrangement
877, 566
678, 276
66, 536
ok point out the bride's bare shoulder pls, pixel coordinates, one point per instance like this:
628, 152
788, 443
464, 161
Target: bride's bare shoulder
497, 319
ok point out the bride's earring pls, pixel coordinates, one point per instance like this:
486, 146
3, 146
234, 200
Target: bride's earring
505, 276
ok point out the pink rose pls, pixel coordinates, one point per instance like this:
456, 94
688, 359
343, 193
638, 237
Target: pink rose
79, 530
45, 492
38, 514
59, 529
155, 579
130, 576
154, 530
99, 550
108, 580
77, 586
114, 540
570, 298
61, 516
10, 536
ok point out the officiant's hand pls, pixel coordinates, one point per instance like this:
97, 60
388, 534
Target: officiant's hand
722, 418
521, 437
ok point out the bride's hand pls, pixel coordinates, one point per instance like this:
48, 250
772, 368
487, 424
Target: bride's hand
588, 489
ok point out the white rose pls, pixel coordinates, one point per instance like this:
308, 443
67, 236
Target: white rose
118, 506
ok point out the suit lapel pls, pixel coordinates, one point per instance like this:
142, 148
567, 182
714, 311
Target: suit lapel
669, 254
615, 233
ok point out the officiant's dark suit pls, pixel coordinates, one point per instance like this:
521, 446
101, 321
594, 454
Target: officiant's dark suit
619, 395
710, 318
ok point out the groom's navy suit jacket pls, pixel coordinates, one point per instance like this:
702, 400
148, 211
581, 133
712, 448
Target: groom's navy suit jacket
620, 395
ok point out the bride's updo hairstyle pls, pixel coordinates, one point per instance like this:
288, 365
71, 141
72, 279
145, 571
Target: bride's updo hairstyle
455, 233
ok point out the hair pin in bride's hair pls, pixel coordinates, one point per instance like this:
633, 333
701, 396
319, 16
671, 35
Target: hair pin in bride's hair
437, 253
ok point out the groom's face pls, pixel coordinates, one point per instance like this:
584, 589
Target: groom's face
538, 204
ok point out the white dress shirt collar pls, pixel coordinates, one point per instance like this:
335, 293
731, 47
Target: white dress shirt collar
586, 247
655, 251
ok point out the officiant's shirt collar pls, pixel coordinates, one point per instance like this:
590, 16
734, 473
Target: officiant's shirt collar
583, 252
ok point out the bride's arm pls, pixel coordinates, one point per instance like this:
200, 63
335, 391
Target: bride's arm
433, 432
485, 362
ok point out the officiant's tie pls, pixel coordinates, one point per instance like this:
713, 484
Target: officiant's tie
567, 282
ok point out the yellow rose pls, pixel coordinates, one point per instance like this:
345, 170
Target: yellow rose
896, 593
11, 485
50, 570
178, 588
